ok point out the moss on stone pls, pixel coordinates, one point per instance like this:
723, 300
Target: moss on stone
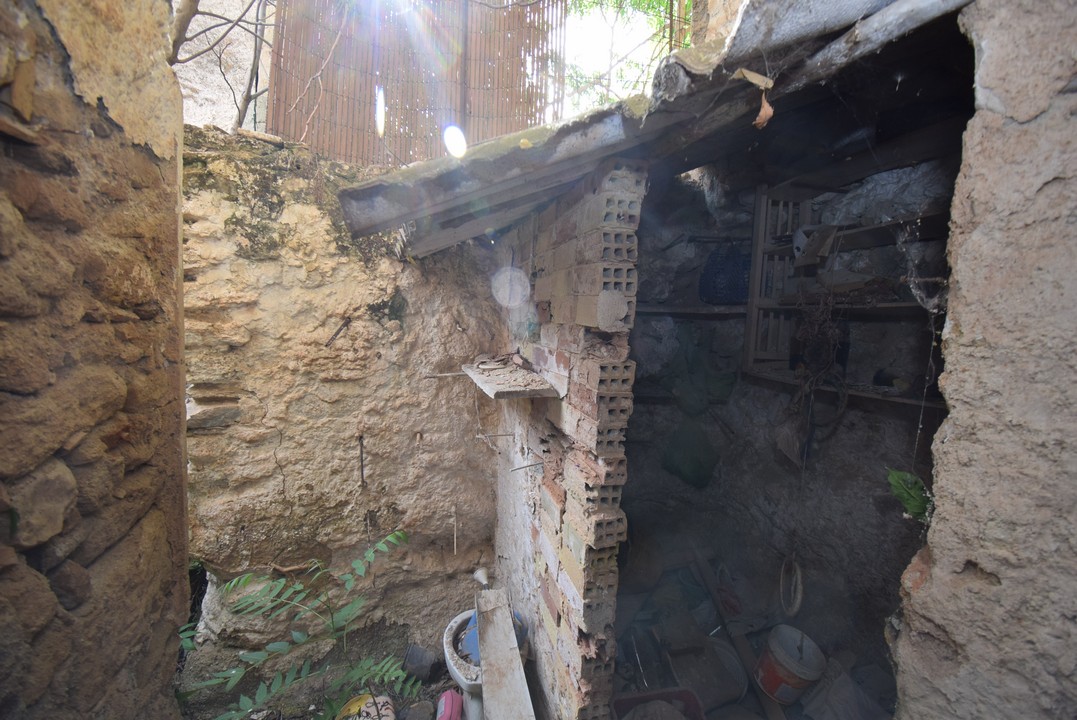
262, 178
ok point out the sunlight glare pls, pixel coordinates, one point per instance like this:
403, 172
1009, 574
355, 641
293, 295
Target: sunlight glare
455, 142
379, 112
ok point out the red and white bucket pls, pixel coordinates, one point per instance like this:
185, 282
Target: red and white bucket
790, 662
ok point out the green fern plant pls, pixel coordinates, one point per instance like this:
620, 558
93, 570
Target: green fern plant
320, 598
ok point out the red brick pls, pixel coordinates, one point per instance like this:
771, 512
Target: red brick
601, 528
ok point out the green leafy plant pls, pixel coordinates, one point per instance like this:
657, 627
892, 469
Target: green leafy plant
913, 494
316, 597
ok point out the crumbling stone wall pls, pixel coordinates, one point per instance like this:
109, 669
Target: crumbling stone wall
315, 425
559, 520
990, 602
93, 540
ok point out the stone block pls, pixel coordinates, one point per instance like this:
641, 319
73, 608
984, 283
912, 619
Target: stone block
49, 650
205, 417
29, 591
27, 356
42, 499
96, 482
35, 427
134, 496
71, 584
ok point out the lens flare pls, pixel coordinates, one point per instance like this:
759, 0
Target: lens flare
455, 142
511, 287
379, 111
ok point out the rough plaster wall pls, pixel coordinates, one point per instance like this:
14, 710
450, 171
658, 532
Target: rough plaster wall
991, 602
139, 94
276, 415
93, 579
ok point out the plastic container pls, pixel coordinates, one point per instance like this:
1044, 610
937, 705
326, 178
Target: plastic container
678, 697
790, 662
450, 706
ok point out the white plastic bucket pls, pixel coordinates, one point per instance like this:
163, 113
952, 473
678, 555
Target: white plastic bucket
790, 662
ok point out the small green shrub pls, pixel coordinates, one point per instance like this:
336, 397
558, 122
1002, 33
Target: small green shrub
327, 598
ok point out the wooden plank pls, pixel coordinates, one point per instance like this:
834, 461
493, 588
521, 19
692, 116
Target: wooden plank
504, 687
506, 380
916, 147
759, 239
692, 311
747, 656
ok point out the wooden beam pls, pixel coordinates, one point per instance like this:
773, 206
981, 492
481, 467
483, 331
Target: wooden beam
504, 688
928, 143
439, 238
870, 34
515, 172
747, 656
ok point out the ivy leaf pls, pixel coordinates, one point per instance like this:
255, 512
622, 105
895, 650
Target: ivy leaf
245, 703
910, 490
253, 657
279, 647
299, 636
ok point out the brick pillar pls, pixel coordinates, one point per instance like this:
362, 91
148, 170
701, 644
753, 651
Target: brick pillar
585, 281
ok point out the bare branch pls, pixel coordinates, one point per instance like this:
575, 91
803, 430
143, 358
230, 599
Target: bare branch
222, 36
317, 77
252, 73
185, 12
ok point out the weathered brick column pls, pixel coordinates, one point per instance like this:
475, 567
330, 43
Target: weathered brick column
582, 254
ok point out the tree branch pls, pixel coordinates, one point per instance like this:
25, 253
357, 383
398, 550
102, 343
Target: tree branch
318, 77
222, 36
185, 12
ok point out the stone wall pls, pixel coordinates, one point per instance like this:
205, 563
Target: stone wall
559, 517
990, 603
93, 553
315, 427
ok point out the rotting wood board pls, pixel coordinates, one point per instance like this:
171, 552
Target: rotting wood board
504, 686
506, 380
744, 650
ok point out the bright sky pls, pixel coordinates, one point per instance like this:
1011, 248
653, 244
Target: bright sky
590, 42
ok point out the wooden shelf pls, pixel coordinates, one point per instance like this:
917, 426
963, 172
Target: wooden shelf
692, 311
933, 226
871, 392
898, 307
